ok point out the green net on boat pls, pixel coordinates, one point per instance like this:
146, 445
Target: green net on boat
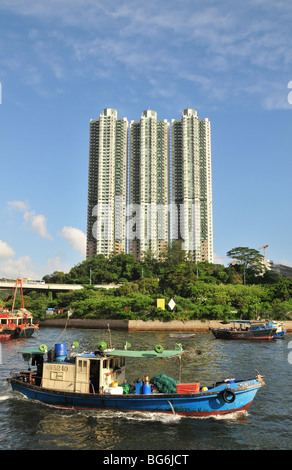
126, 388
164, 384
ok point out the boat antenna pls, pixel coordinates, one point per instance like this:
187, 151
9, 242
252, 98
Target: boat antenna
179, 373
21, 290
63, 334
109, 336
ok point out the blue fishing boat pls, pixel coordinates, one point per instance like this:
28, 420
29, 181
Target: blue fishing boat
246, 330
96, 380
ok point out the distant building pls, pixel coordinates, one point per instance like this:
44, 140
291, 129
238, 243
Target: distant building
285, 271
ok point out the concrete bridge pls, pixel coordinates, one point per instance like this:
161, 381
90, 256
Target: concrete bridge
8, 285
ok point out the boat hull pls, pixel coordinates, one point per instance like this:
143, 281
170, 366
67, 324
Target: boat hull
281, 334
209, 403
8, 333
262, 334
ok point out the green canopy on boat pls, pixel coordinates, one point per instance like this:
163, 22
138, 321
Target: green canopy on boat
32, 351
146, 354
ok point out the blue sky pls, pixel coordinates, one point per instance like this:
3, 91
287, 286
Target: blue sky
62, 63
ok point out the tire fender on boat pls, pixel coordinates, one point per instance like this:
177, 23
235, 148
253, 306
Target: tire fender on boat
158, 348
226, 395
17, 331
101, 346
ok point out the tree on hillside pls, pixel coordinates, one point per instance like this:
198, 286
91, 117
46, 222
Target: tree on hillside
174, 254
248, 258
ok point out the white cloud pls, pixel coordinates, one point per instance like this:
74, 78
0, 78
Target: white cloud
37, 222
5, 250
24, 267
56, 264
20, 267
12, 267
202, 43
76, 238
20, 205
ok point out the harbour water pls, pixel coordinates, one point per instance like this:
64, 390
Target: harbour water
267, 425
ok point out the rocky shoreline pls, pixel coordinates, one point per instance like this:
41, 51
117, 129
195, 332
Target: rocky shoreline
137, 325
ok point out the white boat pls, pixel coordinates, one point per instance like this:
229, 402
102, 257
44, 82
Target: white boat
281, 330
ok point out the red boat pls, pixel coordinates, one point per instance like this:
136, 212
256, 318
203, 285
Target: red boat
16, 324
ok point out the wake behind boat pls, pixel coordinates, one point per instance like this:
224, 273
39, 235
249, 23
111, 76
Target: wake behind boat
97, 380
16, 324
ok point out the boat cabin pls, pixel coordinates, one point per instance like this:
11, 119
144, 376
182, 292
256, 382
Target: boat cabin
242, 325
260, 324
18, 318
91, 372
87, 373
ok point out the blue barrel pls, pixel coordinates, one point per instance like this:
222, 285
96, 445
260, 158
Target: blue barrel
146, 389
60, 352
139, 387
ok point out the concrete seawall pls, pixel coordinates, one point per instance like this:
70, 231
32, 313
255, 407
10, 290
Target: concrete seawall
137, 325
84, 323
174, 325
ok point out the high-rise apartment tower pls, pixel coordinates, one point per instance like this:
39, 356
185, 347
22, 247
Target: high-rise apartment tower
107, 185
192, 219
148, 222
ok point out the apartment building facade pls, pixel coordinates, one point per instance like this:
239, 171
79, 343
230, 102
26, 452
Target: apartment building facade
107, 184
148, 210
192, 220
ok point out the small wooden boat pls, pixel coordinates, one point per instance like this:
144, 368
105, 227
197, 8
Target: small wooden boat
96, 380
182, 335
246, 329
15, 324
